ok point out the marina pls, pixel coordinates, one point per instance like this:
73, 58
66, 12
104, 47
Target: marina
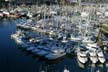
54, 37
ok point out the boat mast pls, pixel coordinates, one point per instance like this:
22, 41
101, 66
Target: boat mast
100, 35
79, 2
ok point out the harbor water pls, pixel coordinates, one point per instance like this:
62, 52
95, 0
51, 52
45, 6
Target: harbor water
13, 59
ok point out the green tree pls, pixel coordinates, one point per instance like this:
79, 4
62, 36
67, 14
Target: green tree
1, 1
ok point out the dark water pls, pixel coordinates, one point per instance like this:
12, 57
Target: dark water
13, 59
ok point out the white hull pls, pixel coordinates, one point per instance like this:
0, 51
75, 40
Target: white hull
75, 39
82, 56
51, 56
102, 60
17, 39
101, 57
42, 52
82, 60
93, 57
87, 41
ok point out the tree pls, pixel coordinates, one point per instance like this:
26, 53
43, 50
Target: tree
2, 1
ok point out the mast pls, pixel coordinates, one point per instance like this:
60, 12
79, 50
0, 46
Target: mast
79, 2
100, 35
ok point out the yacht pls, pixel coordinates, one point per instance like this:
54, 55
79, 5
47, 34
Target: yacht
17, 38
30, 48
34, 51
87, 40
106, 14
75, 38
42, 53
26, 45
6, 13
101, 56
64, 40
92, 46
82, 55
30, 15
69, 48
93, 57
54, 54
84, 14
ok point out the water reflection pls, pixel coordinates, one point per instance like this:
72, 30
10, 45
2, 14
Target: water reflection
41, 58
80, 64
50, 65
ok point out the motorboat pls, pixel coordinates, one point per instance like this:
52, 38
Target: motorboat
84, 14
98, 13
101, 56
69, 46
30, 15
64, 39
30, 48
42, 47
106, 14
82, 55
17, 38
54, 54
6, 13
75, 38
35, 51
25, 45
92, 46
93, 57
87, 40
69, 49
42, 52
